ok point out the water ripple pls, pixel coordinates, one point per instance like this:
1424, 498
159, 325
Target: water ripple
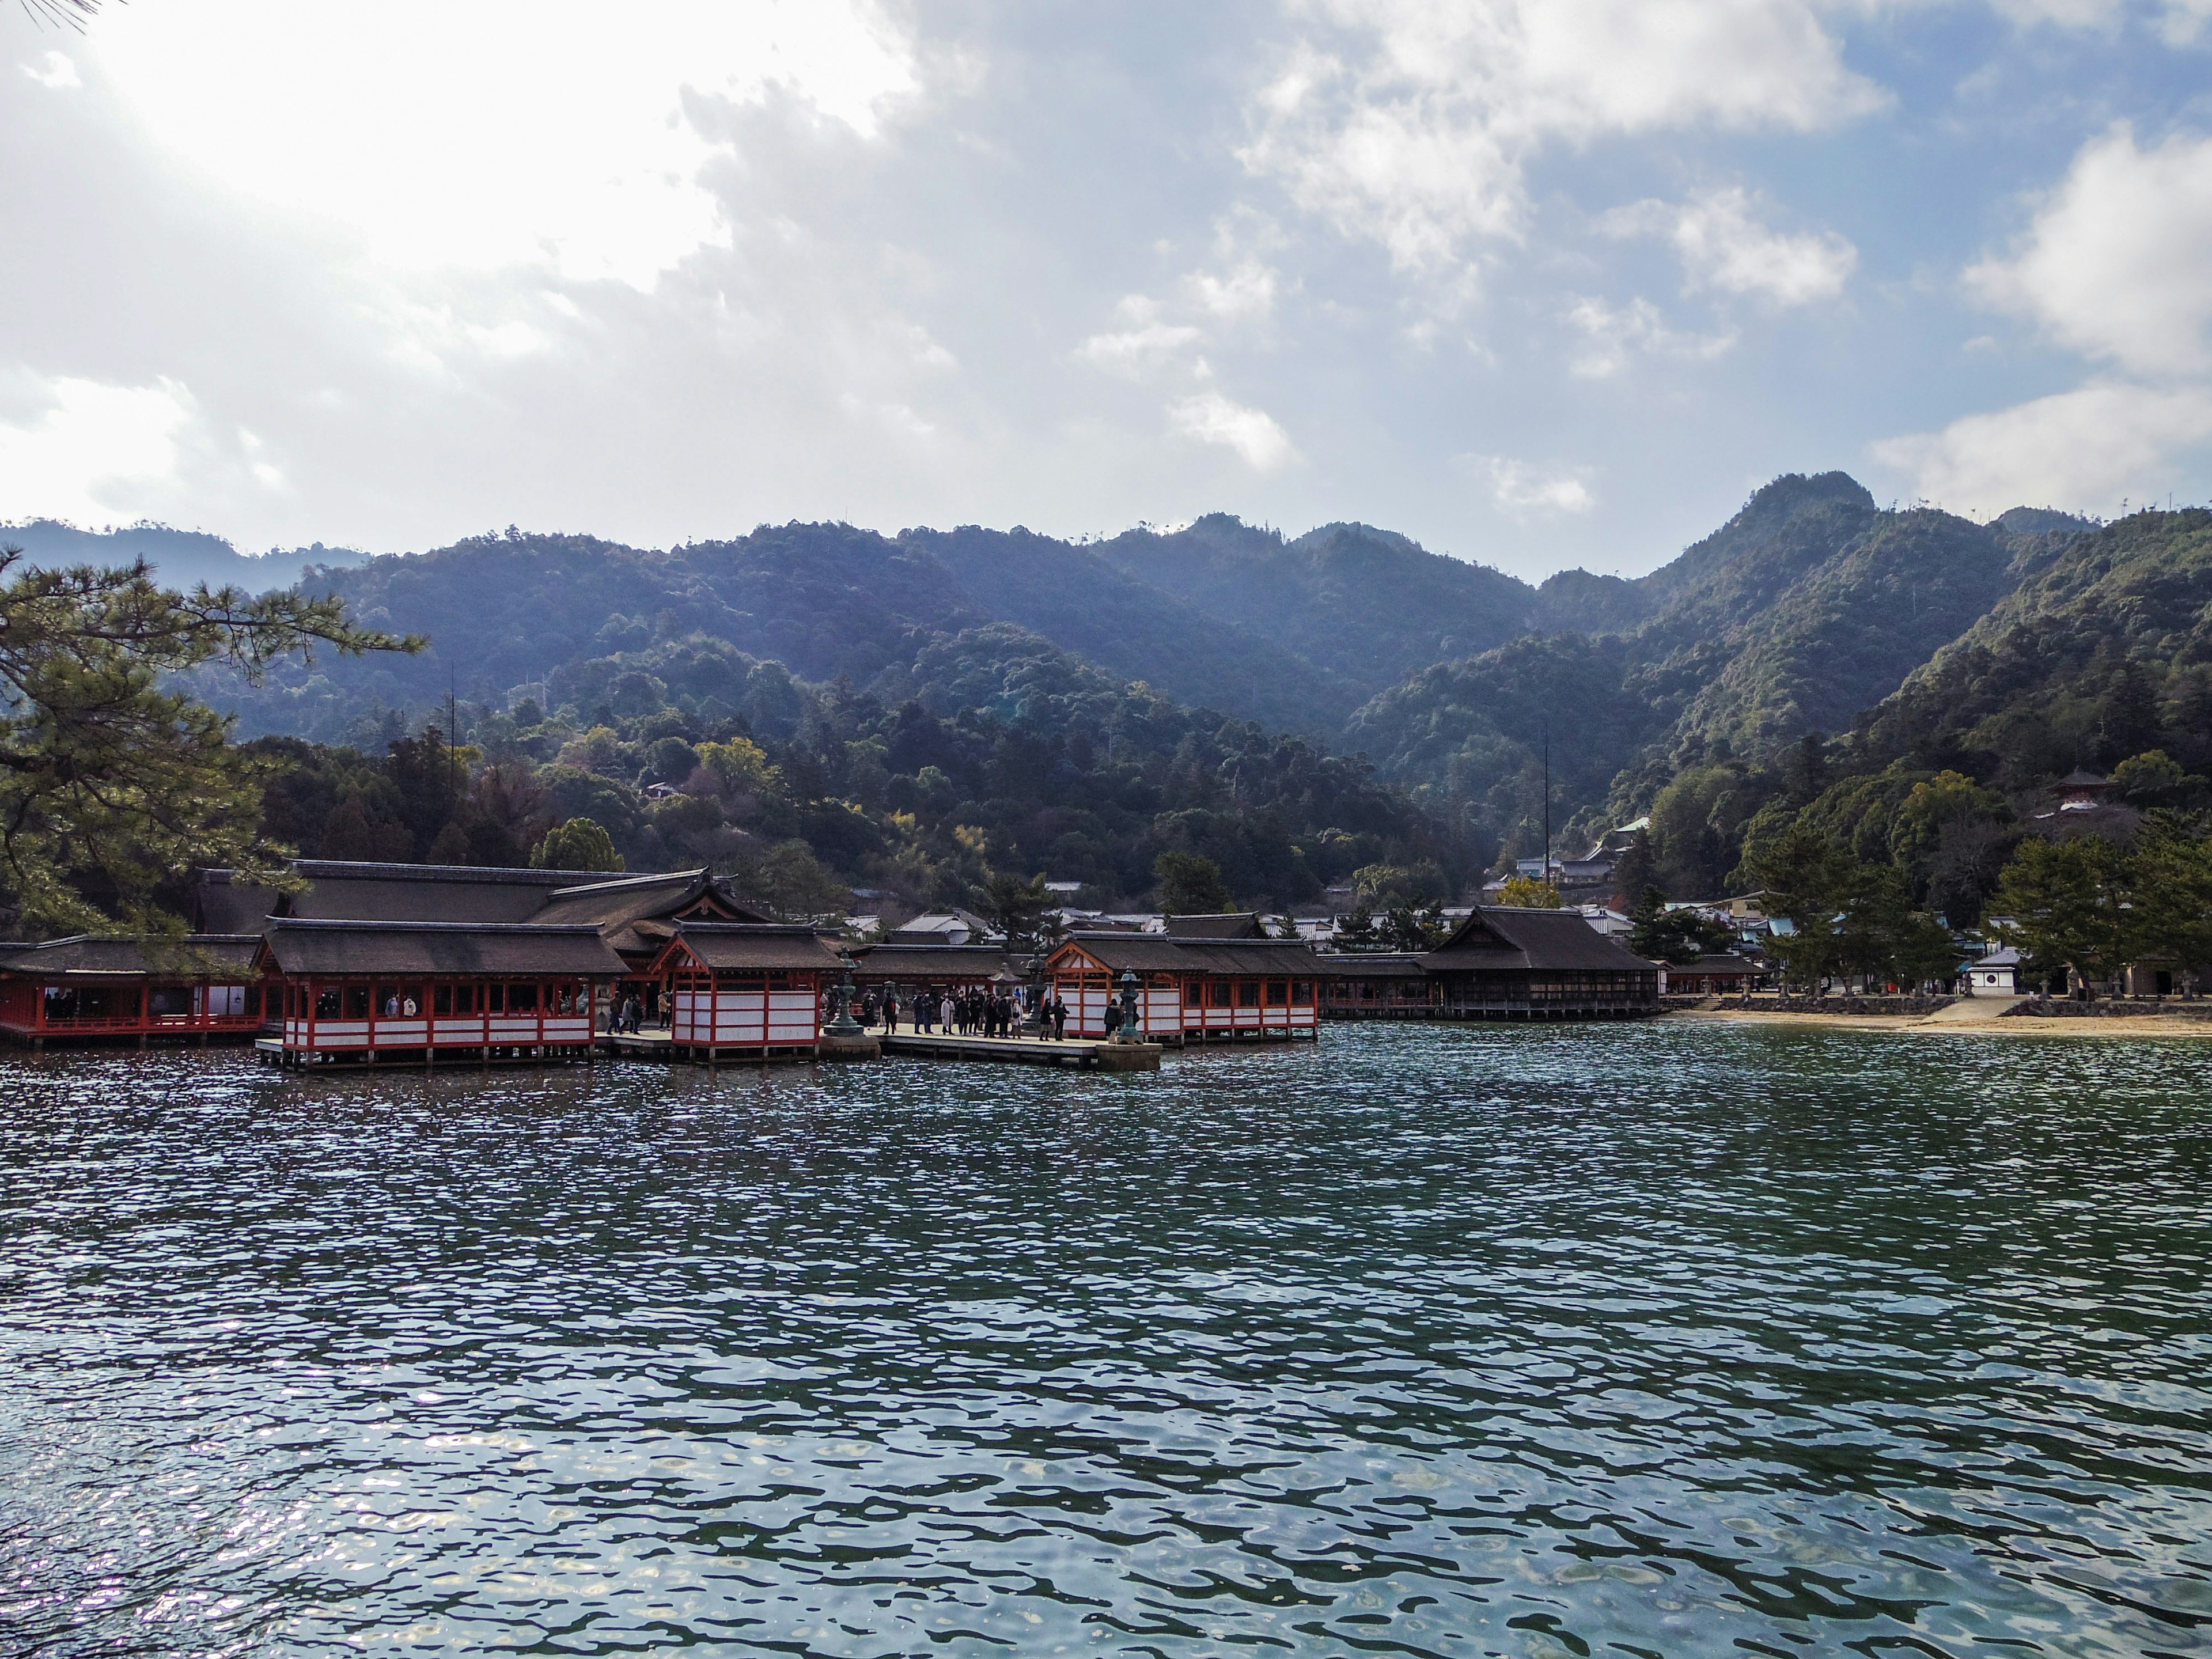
1676, 1340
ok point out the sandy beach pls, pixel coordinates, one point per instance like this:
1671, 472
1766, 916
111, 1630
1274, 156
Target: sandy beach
1971, 1017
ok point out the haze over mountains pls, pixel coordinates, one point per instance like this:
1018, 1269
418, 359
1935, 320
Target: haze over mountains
1802, 615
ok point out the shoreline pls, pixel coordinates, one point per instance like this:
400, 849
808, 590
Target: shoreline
2006, 1026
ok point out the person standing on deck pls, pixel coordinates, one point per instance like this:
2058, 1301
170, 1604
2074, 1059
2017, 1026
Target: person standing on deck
1059, 1019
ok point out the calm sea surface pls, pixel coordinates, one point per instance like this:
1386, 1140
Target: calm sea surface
1676, 1339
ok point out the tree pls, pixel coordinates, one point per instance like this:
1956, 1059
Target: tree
2063, 905
1637, 870
1406, 928
1018, 908
1926, 951
1190, 885
576, 844
1527, 893
2171, 886
1807, 878
1677, 936
110, 783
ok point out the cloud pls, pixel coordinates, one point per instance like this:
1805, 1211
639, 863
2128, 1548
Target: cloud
506, 133
2115, 263
1522, 490
1143, 343
1412, 127
1723, 245
78, 450
55, 70
2184, 21
2082, 449
1612, 336
1252, 433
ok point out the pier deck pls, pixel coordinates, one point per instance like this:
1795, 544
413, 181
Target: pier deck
1085, 1052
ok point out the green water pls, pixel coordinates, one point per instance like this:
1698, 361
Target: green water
1679, 1339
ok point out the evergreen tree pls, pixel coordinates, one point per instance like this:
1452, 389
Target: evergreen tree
110, 781
2066, 906
1190, 885
574, 844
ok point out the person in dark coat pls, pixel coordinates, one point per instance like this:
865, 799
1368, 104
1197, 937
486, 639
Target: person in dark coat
1059, 1019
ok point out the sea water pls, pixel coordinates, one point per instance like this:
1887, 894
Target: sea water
1676, 1339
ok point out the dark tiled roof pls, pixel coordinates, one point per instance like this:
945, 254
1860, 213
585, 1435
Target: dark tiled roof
1159, 953
927, 962
328, 947
1497, 938
197, 956
1240, 924
227, 905
1376, 965
2082, 778
1727, 963
343, 891
757, 945
623, 908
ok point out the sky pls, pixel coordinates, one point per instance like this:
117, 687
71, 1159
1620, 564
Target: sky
1536, 283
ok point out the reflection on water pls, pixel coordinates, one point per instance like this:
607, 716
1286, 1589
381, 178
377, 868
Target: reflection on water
1675, 1339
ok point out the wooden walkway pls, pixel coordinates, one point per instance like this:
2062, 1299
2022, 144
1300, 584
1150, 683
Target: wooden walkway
1085, 1052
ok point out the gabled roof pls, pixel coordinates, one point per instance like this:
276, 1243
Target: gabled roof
1161, 953
1727, 962
88, 956
761, 946
1377, 964
928, 961
513, 949
341, 890
1236, 924
1499, 938
2082, 778
636, 914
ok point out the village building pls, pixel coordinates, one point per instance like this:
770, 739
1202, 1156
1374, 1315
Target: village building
1507, 963
1996, 974
949, 927
1725, 975
410, 992
746, 990
84, 989
2082, 804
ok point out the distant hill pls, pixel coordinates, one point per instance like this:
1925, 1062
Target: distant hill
1810, 606
184, 557
1807, 609
2102, 651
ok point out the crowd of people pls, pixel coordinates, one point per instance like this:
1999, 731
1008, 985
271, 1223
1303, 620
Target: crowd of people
973, 1013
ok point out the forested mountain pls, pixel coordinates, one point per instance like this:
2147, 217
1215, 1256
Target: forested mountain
1364, 604
1078, 708
1808, 607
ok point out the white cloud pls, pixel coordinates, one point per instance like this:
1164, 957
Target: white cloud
1213, 418
1522, 490
1142, 342
2184, 21
1612, 335
1415, 131
2060, 14
78, 450
2083, 449
2116, 264
56, 71
1244, 293
1723, 245
500, 133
